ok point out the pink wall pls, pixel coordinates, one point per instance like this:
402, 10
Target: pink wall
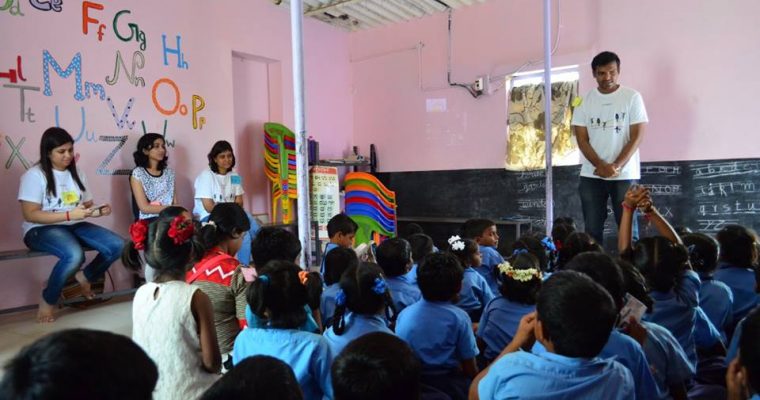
210, 33
694, 63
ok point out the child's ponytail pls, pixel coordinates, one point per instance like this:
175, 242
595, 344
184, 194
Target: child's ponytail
130, 255
363, 291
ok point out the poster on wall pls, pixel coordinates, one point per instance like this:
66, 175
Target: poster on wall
325, 197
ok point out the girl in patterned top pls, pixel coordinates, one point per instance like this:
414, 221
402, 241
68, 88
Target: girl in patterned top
219, 273
152, 182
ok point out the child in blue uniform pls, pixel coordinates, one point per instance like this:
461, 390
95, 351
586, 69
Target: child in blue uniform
394, 256
574, 244
573, 320
421, 245
277, 299
603, 270
669, 364
738, 254
520, 279
336, 262
743, 376
475, 293
341, 229
377, 366
268, 377
363, 305
439, 332
484, 233
715, 298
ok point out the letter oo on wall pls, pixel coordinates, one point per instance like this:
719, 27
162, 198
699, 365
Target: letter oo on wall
198, 103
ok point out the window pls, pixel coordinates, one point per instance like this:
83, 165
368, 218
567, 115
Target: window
525, 128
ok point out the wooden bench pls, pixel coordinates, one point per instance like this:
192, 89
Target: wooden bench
18, 254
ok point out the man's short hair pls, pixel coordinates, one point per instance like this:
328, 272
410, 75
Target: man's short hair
341, 223
273, 243
79, 364
576, 313
259, 377
439, 276
475, 227
604, 58
393, 256
376, 366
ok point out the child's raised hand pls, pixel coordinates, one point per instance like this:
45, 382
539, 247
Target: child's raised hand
736, 382
635, 194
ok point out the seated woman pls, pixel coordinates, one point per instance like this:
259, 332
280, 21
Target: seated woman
220, 184
152, 182
55, 201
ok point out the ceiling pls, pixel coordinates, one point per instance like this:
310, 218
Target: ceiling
355, 15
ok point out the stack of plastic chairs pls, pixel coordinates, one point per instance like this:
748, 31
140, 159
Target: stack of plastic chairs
372, 206
280, 159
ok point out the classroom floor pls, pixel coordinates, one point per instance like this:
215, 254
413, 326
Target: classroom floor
20, 329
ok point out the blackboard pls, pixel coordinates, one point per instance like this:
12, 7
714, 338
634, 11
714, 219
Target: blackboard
703, 195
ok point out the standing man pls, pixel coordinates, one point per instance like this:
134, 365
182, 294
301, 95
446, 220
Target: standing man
609, 125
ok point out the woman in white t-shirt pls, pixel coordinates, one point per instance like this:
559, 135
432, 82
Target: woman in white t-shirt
55, 201
220, 184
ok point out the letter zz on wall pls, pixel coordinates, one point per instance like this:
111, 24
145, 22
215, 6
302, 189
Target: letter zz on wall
103, 167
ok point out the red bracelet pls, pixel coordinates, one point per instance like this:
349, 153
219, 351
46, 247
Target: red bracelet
67, 216
627, 207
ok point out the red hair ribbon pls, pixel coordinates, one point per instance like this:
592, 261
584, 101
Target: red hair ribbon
181, 229
138, 231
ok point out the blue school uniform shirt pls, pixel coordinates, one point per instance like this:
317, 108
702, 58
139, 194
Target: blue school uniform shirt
741, 281
522, 375
357, 325
330, 246
403, 293
327, 302
411, 276
439, 333
625, 350
716, 300
490, 259
308, 354
475, 293
705, 333
667, 360
498, 324
678, 313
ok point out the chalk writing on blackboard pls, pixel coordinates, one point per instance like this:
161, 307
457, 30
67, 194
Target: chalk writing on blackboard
725, 169
724, 189
668, 170
664, 190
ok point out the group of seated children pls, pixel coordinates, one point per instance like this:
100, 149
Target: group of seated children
558, 319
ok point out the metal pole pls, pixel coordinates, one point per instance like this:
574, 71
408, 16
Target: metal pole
548, 114
302, 168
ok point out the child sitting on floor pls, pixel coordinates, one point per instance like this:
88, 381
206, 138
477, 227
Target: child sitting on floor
439, 332
277, 298
475, 293
484, 233
172, 320
520, 279
336, 263
573, 320
364, 305
341, 229
394, 256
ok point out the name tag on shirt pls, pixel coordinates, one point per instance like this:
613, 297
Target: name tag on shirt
235, 179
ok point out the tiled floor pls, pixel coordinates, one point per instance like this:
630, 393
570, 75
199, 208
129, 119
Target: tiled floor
20, 329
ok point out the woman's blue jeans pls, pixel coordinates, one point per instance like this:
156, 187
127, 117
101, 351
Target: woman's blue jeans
65, 242
594, 194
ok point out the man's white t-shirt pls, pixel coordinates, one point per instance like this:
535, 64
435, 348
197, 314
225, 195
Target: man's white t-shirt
608, 119
219, 188
33, 188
